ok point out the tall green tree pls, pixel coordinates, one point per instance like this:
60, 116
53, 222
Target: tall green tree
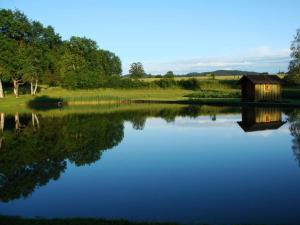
294, 66
80, 66
4, 74
169, 74
136, 70
111, 63
15, 31
44, 41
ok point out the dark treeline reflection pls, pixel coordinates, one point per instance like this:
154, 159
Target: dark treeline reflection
294, 120
34, 149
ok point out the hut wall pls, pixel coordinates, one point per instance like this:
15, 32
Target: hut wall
248, 91
267, 92
267, 115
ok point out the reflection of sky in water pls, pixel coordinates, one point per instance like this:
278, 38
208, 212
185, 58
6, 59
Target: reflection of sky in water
180, 171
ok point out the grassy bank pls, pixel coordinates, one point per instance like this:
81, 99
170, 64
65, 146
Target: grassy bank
97, 96
209, 93
8, 220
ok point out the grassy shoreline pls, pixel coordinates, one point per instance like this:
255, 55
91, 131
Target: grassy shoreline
51, 96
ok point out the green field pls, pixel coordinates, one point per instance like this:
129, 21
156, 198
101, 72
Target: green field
223, 89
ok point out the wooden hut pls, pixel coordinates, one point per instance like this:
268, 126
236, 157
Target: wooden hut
260, 88
257, 118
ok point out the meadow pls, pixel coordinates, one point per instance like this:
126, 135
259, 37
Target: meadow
221, 89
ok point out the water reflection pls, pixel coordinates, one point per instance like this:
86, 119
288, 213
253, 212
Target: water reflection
260, 118
35, 149
294, 120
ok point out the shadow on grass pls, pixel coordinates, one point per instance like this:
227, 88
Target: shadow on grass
45, 103
9, 220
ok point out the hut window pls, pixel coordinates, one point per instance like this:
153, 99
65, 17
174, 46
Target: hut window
267, 88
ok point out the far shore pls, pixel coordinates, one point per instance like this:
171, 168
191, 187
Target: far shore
57, 97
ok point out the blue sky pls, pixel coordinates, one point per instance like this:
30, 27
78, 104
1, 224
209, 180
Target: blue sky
183, 36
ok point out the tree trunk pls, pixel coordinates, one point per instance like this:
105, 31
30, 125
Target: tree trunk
1, 90
35, 121
17, 121
16, 88
36, 86
1, 142
31, 87
2, 119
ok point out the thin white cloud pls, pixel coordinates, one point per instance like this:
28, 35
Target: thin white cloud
260, 59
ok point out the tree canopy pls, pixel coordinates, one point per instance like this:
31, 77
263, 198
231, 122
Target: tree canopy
294, 66
31, 52
136, 70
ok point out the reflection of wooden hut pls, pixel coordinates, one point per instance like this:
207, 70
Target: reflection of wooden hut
255, 119
260, 88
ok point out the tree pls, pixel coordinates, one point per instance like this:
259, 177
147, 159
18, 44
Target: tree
110, 63
43, 41
16, 33
169, 74
79, 67
4, 76
31, 53
136, 70
294, 66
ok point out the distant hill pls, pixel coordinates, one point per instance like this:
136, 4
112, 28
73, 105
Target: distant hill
216, 73
223, 73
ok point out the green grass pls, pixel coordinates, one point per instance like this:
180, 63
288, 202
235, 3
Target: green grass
210, 91
226, 93
115, 94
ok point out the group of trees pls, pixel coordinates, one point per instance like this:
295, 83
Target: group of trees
25, 48
31, 53
293, 76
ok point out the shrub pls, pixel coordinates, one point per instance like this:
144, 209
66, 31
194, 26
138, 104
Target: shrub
191, 84
166, 82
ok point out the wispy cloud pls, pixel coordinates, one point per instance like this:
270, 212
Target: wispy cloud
261, 59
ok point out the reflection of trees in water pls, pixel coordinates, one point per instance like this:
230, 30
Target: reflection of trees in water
30, 158
294, 119
35, 149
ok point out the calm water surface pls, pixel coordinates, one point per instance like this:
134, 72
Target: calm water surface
183, 164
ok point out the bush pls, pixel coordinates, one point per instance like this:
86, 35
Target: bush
82, 79
166, 83
191, 84
119, 82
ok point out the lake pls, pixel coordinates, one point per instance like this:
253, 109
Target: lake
188, 164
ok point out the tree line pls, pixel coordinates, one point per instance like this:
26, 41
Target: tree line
32, 53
